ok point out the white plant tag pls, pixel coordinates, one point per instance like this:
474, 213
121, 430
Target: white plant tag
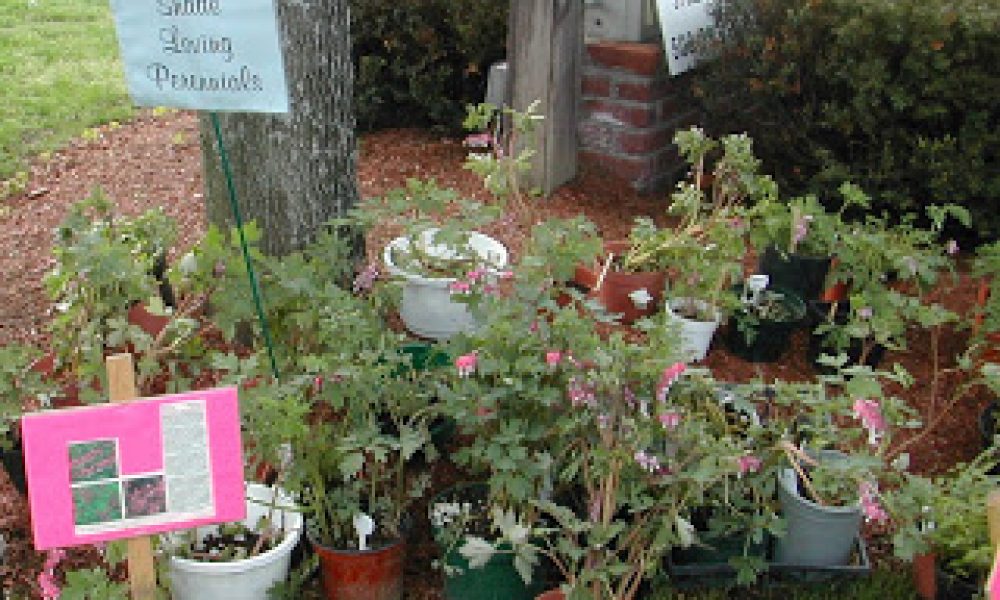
364, 526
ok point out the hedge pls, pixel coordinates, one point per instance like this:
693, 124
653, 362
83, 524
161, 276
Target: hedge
899, 96
419, 62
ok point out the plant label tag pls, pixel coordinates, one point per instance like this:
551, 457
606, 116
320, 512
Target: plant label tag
113, 471
202, 54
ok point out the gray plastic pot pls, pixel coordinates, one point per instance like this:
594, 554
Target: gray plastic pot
818, 536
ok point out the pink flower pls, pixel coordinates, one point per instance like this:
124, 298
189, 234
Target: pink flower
865, 312
801, 229
870, 507
603, 421
749, 464
951, 248
533, 328
670, 420
459, 287
479, 140
366, 279
870, 414
505, 274
475, 275
466, 364
552, 358
648, 462
669, 376
580, 394
47, 578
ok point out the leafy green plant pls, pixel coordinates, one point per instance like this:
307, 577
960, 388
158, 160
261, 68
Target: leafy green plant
947, 515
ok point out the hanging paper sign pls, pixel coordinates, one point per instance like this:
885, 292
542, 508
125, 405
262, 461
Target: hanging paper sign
115, 471
683, 22
202, 54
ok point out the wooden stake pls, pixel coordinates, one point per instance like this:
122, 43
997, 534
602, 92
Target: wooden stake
993, 517
141, 569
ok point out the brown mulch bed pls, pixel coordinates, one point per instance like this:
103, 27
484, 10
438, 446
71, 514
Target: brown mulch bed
155, 161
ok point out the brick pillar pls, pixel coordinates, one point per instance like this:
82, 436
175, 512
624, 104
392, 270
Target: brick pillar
629, 113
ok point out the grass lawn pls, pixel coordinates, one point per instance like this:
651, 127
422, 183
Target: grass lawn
60, 74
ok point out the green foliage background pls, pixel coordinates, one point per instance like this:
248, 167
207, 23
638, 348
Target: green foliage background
419, 62
898, 96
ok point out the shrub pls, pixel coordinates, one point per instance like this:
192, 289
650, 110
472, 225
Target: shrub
897, 96
420, 62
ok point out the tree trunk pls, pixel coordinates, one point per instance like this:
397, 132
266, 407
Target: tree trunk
293, 172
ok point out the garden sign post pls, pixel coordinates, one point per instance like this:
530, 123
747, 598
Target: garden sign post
133, 468
216, 55
141, 568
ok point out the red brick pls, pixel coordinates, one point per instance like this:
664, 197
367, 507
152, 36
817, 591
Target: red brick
636, 116
644, 142
596, 86
645, 91
636, 171
642, 59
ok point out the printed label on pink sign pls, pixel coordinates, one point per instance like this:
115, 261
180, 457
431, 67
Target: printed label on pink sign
114, 471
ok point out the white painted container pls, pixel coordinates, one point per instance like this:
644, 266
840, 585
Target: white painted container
696, 336
427, 308
247, 579
620, 20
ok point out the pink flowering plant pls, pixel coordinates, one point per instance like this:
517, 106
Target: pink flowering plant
891, 268
703, 252
584, 446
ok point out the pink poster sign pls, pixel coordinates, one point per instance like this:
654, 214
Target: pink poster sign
112, 471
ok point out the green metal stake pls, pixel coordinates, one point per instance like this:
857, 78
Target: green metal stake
254, 287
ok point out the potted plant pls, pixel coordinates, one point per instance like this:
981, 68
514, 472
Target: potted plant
702, 253
353, 425
890, 268
941, 527
444, 263
241, 560
761, 325
795, 242
589, 463
839, 459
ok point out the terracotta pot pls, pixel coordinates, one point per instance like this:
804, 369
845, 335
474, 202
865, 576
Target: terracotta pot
924, 576
375, 574
551, 595
614, 290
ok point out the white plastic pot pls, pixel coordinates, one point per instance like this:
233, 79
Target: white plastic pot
696, 336
247, 579
427, 308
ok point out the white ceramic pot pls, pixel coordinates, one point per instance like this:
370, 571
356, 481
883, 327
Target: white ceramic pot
696, 336
247, 579
427, 308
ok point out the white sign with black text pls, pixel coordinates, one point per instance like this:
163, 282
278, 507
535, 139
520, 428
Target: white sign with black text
682, 22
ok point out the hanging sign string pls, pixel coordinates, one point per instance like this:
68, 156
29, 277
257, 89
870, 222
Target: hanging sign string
238, 216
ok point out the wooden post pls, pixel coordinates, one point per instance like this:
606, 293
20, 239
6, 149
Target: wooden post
141, 569
544, 51
993, 517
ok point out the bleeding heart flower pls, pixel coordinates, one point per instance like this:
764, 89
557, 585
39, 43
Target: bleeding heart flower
670, 420
870, 414
749, 463
466, 364
552, 358
669, 376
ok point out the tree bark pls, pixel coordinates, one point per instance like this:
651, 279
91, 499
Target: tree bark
293, 172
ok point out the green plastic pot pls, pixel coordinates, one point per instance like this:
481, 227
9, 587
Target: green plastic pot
496, 580
816, 535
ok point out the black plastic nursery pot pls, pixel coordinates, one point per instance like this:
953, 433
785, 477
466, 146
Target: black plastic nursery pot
805, 275
12, 458
819, 344
770, 338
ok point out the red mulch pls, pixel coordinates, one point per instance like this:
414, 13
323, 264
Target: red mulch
155, 161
